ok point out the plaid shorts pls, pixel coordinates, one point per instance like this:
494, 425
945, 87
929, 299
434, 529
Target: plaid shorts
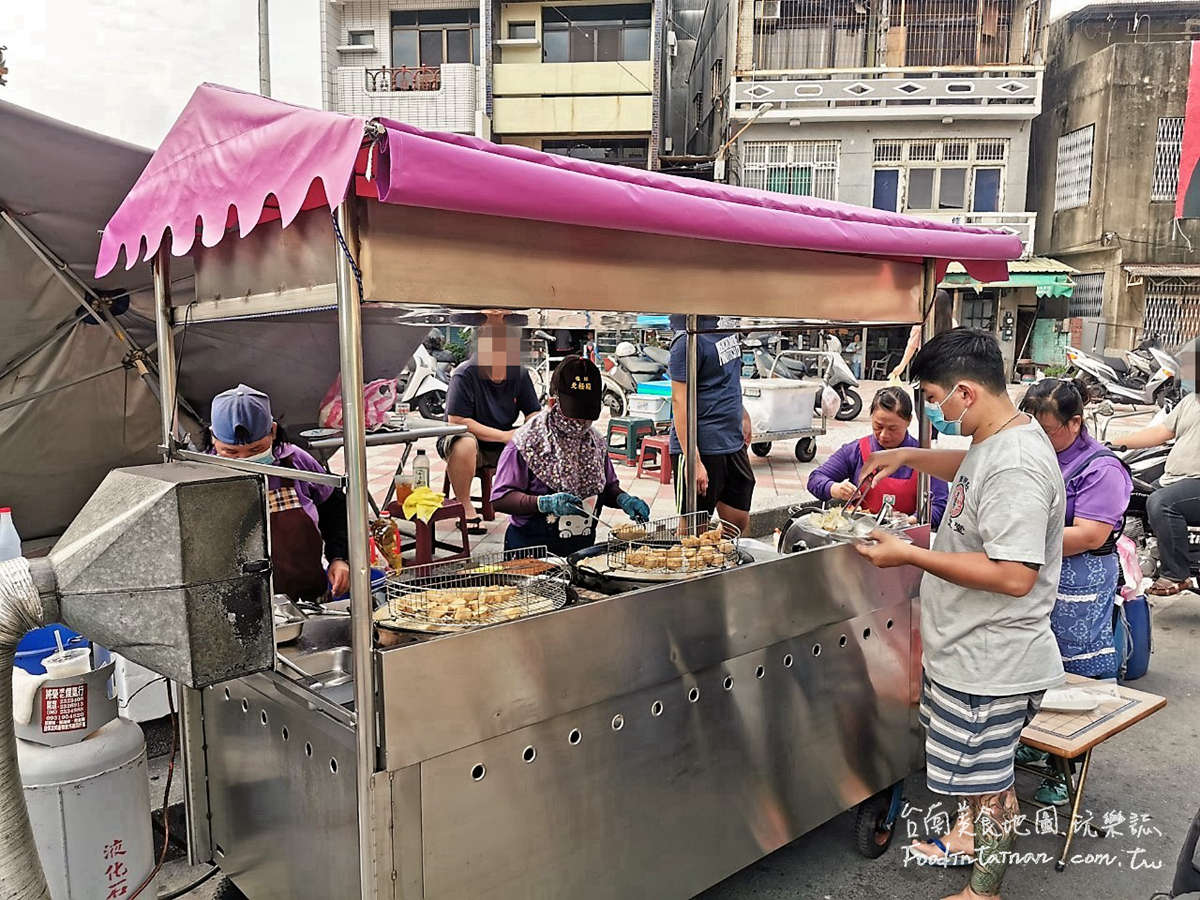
971, 739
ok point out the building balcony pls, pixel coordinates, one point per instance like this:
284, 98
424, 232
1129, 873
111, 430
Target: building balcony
439, 98
572, 98
1022, 224
986, 92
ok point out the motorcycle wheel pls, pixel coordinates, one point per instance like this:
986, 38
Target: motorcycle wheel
806, 449
614, 402
762, 448
432, 405
851, 404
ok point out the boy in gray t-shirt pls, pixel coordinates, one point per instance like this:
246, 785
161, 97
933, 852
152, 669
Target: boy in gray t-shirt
990, 583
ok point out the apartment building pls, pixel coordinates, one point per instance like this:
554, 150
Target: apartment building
424, 62
577, 78
1105, 171
917, 106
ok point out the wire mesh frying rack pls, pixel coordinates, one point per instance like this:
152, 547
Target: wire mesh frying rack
483, 590
692, 542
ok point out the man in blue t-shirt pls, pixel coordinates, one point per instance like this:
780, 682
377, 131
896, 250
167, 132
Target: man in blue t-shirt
724, 479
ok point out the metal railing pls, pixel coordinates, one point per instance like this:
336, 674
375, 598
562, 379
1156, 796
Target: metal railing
907, 92
403, 78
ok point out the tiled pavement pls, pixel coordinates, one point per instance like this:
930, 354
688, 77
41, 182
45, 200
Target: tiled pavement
779, 478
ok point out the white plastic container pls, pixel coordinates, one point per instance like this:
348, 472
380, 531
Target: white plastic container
10, 541
780, 404
89, 804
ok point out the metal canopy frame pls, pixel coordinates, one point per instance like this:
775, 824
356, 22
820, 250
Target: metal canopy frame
402, 273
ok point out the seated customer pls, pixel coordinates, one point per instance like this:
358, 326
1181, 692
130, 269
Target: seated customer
838, 476
555, 462
488, 393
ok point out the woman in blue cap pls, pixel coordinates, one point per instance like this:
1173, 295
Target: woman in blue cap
307, 519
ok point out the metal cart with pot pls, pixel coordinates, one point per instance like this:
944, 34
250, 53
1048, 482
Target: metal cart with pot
647, 744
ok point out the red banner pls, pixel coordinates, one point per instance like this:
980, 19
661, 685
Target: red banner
1187, 196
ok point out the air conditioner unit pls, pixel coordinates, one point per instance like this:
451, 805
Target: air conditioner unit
766, 9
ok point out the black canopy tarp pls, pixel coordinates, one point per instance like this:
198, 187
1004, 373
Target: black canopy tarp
60, 185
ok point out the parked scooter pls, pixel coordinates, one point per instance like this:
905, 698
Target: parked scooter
423, 387
779, 363
1145, 468
1107, 377
626, 368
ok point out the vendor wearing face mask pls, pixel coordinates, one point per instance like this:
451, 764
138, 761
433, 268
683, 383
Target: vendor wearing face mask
307, 519
555, 461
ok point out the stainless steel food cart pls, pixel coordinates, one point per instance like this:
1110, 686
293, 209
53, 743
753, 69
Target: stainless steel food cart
646, 744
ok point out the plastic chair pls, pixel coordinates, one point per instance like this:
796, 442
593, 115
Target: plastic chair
628, 433
484, 500
654, 457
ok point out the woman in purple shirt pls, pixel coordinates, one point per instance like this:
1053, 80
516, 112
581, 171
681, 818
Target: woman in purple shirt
1098, 489
838, 476
553, 462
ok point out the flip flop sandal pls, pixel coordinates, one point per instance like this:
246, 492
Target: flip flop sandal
947, 859
475, 526
1165, 587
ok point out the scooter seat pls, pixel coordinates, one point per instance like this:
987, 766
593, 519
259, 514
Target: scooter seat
788, 368
641, 366
1118, 365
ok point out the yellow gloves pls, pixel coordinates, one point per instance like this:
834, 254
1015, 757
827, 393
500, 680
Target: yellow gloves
423, 503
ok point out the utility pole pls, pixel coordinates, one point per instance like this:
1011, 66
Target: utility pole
264, 49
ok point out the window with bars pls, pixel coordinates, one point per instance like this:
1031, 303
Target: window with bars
1073, 173
809, 168
1167, 146
946, 175
1088, 297
1172, 310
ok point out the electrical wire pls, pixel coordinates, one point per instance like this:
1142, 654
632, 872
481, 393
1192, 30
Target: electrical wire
188, 888
151, 683
162, 856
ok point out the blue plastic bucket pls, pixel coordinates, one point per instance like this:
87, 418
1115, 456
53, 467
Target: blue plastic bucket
40, 643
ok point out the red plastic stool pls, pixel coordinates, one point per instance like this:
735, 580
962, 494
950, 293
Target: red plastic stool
654, 455
427, 540
486, 510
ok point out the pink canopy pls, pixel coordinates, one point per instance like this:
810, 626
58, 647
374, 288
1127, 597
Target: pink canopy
231, 151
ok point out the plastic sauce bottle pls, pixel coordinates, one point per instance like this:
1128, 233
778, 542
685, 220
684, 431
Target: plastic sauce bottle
421, 470
10, 541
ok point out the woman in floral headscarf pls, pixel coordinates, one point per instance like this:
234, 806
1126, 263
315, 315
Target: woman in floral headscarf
554, 462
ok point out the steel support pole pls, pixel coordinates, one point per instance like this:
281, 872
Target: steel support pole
924, 433
167, 385
355, 452
691, 445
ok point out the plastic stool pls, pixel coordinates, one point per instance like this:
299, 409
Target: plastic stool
655, 456
486, 510
427, 541
628, 432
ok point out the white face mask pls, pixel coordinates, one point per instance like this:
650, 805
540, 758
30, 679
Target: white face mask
266, 458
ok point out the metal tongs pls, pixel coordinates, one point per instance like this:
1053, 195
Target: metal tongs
859, 495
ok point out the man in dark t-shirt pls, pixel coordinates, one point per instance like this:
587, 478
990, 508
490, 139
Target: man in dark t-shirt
724, 479
489, 392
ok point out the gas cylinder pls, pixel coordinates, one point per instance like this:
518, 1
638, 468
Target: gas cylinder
89, 803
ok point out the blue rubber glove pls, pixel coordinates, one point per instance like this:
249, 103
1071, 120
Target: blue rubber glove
560, 504
634, 507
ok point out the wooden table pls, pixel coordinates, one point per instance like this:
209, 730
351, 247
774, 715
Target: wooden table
1067, 736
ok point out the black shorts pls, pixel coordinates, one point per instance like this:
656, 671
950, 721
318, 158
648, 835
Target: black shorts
487, 458
730, 481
